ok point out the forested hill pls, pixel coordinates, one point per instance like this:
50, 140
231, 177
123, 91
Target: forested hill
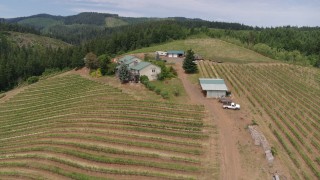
17, 63
82, 27
16, 28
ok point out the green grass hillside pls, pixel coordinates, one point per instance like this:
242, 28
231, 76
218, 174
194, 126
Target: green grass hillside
27, 39
71, 127
212, 49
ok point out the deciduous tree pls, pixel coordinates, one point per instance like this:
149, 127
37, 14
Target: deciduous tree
91, 61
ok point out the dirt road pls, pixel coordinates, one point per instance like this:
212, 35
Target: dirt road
230, 167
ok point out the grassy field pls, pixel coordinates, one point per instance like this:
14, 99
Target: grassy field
71, 127
174, 88
211, 49
285, 102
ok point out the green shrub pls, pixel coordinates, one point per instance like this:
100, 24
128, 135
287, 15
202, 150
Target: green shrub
111, 69
151, 87
318, 160
176, 92
96, 73
173, 71
254, 123
274, 151
158, 91
50, 71
165, 95
32, 79
144, 79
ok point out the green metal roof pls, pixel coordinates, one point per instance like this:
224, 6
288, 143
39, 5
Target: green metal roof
213, 84
175, 52
140, 66
127, 59
211, 81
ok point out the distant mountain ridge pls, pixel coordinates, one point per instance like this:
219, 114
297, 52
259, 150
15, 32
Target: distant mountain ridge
89, 18
43, 15
80, 28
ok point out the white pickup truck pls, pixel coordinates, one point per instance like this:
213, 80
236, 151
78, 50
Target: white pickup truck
232, 106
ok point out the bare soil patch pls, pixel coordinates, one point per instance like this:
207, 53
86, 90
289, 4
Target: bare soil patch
228, 150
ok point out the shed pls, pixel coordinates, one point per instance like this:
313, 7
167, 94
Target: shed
175, 54
214, 88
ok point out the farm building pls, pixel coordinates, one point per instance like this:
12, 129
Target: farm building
213, 88
161, 53
175, 54
147, 69
129, 60
139, 68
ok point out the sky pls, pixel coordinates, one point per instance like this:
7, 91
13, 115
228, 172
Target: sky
262, 13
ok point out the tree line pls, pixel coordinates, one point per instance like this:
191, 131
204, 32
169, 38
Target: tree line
19, 63
292, 44
17, 28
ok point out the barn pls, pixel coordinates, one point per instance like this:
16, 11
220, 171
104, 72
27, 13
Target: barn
175, 54
213, 88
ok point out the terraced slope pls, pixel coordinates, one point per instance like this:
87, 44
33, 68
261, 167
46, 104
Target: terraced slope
70, 127
285, 99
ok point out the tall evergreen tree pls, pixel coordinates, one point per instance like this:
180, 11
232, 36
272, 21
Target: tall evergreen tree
124, 73
188, 65
104, 60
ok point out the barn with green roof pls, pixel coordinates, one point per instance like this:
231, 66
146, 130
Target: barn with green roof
213, 88
175, 53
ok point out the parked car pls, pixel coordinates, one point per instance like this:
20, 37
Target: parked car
233, 106
225, 100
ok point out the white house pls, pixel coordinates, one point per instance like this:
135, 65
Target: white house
139, 68
213, 87
147, 69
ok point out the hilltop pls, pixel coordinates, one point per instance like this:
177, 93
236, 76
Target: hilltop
46, 21
85, 26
